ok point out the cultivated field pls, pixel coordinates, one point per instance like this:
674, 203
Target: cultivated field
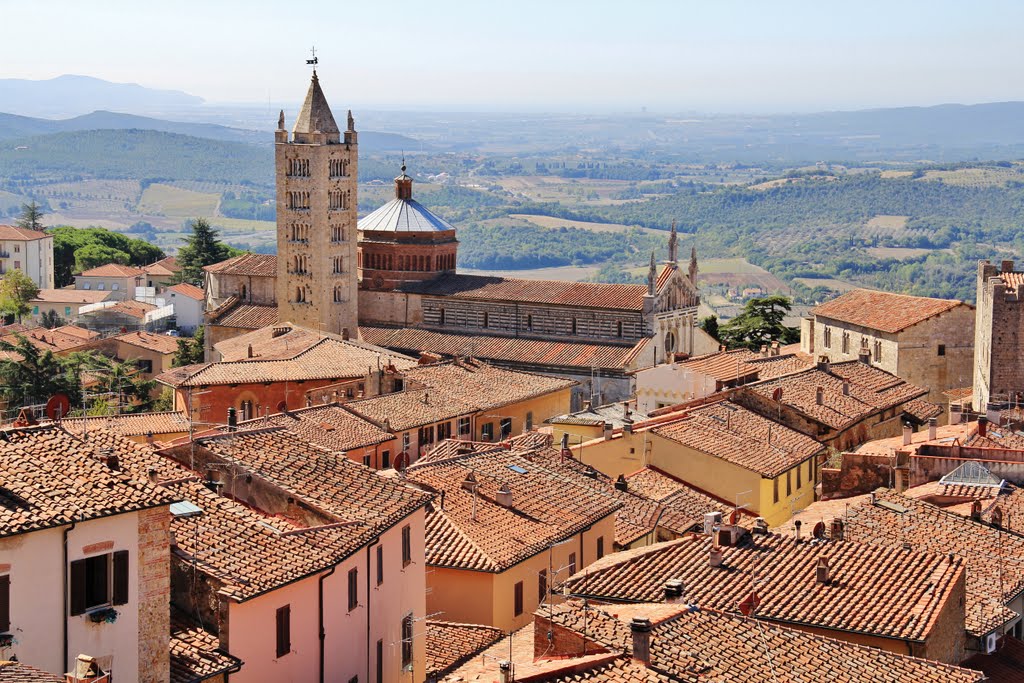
899, 253
563, 273
168, 200
837, 285
553, 222
886, 223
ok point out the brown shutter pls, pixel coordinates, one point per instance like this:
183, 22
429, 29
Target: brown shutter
284, 628
120, 596
5, 604
76, 587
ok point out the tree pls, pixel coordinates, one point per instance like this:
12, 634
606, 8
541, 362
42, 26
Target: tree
202, 248
710, 325
74, 248
50, 319
123, 380
16, 290
190, 351
759, 324
30, 376
31, 216
94, 255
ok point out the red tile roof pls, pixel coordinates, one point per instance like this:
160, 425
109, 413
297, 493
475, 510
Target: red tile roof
161, 343
520, 350
16, 672
1005, 665
56, 340
728, 366
185, 289
883, 310
232, 313
742, 437
49, 478
164, 267
270, 342
449, 644
70, 296
331, 427
857, 598
260, 265
554, 292
113, 270
14, 233
195, 652
130, 308
131, 424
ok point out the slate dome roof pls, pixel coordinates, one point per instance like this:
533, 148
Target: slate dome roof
403, 213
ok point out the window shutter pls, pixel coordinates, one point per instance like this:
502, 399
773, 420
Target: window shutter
5, 604
284, 627
120, 596
77, 587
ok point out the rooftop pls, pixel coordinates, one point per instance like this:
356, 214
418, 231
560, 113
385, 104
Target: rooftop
70, 296
1002, 666
16, 672
130, 424
315, 115
195, 652
188, 290
857, 597
472, 530
884, 311
597, 416
58, 339
331, 427
284, 340
161, 343
742, 437
14, 233
264, 265
112, 270
50, 478
520, 350
329, 358
449, 644
233, 313
129, 307
403, 213
164, 267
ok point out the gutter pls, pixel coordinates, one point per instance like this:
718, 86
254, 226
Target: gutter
64, 575
320, 617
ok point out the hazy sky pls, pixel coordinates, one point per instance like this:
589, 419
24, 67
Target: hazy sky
553, 55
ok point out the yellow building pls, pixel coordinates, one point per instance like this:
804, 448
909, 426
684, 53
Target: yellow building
723, 449
503, 530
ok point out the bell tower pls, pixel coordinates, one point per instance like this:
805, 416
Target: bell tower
317, 285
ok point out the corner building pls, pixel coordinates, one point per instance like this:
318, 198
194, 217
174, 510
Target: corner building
316, 218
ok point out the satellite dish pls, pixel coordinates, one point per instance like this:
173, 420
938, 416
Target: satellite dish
401, 460
282, 407
777, 394
58, 406
819, 530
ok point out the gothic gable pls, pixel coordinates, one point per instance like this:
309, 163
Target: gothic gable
675, 292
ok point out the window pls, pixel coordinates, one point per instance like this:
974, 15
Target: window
828, 337
405, 441
487, 319
810, 470
846, 342
380, 661
506, 427
380, 564
247, 413
529, 420
775, 490
789, 484
144, 365
444, 431
366, 461
86, 285
114, 287
385, 460
574, 326
426, 435
600, 547
99, 581
17, 248
618, 329
5, 604
942, 349
406, 546
353, 588
284, 630
440, 317
487, 431
101, 286
572, 563
398, 384
799, 478
67, 310
542, 586
463, 426
407, 641
529, 322
35, 310
878, 351
518, 599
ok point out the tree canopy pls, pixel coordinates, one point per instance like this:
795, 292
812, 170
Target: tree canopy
16, 290
202, 248
78, 249
759, 323
31, 216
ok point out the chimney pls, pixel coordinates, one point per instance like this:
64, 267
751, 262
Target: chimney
505, 671
976, 511
933, 428
822, 571
1006, 266
846, 388
823, 363
620, 483
992, 411
775, 348
149, 438
504, 496
760, 526
673, 591
154, 476
796, 528
819, 396
469, 483
232, 419
641, 630
711, 520
864, 356
344, 334
249, 352
279, 331
982, 425
586, 405
764, 350
607, 430
955, 414
837, 529
908, 433
627, 414
716, 556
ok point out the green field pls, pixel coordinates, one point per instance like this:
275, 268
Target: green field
837, 285
168, 200
552, 222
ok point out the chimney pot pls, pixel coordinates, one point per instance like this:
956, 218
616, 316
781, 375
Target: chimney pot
607, 430
586, 405
504, 497
819, 396
837, 529
846, 388
822, 571
232, 418
716, 557
505, 671
1006, 266
796, 527
673, 591
641, 631
933, 428
621, 484
908, 433
982, 425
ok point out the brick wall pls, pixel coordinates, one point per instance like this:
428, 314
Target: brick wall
998, 364
947, 640
154, 595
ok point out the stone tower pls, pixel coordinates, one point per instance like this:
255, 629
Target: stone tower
317, 284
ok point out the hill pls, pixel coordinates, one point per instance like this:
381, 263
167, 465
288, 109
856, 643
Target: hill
13, 126
70, 95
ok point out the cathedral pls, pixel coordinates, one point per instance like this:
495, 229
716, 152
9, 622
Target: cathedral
390, 279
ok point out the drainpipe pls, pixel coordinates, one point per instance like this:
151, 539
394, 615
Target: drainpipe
320, 614
368, 556
67, 530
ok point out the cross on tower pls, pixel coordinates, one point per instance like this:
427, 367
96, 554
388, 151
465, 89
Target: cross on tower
314, 61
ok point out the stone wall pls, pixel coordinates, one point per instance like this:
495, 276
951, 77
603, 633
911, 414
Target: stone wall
154, 595
999, 331
861, 473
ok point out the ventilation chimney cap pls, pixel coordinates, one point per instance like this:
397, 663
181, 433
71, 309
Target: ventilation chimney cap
621, 484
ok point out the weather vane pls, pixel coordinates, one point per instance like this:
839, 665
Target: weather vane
313, 62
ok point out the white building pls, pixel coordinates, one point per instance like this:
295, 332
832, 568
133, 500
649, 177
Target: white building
113, 277
29, 251
189, 302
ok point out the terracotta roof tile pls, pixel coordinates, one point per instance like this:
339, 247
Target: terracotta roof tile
16, 672
449, 644
883, 310
330, 426
70, 296
112, 270
55, 340
547, 506
728, 366
150, 341
740, 436
329, 358
264, 265
165, 267
244, 316
186, 289
130, 424
1002, 666
195, 652
12, 233
499, 349
556, 292
49, 478
130, 308
271, 341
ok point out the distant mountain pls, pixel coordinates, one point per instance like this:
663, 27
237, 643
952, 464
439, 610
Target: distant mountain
13, 126
72, 95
